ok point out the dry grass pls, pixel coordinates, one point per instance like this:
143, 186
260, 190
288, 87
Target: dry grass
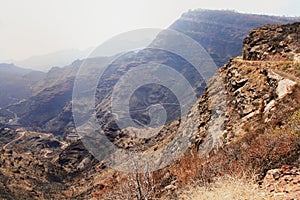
226, 187
288, 69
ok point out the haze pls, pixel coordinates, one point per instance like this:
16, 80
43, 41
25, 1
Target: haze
34, 27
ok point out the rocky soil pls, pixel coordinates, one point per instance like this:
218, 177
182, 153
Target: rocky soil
283, 183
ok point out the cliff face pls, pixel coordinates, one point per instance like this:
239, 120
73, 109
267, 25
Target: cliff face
221, 33
255, 92
260, 91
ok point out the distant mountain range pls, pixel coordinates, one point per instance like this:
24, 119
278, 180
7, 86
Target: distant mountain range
55, 59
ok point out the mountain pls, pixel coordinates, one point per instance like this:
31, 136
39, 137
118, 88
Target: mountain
49, 96
16, 83
246, 122
59, 58
220, 33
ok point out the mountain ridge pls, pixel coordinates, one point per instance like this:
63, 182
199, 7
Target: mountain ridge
220, 47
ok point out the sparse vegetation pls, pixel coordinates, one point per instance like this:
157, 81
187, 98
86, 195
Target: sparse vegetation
134, 186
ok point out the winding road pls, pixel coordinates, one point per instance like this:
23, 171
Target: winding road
18, 138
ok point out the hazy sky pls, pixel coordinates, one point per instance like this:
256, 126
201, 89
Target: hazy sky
36, 27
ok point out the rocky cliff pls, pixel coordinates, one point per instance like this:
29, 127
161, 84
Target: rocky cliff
273, 43
221, 33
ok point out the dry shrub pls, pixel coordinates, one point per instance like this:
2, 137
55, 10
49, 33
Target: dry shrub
264, 148
268, 151
186, 168
106, 189
140, 186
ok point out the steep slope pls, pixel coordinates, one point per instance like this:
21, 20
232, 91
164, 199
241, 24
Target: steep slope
252, 96
246, 121
219, 32
261, 127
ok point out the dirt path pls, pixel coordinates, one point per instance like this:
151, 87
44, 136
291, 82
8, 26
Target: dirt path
18, 138
286, 75
275, 71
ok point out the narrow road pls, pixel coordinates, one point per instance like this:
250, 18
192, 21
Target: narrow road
286, 75
18, 138
276, 71
15, 114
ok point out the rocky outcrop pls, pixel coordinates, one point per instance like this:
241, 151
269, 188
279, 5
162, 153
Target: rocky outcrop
255, 91
252, 92
273, 43
283, 183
